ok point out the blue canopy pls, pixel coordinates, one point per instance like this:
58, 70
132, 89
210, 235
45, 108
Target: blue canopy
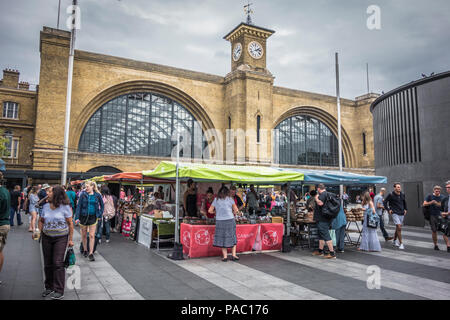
335, 177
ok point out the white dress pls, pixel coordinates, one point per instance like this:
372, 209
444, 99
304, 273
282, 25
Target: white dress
369, 236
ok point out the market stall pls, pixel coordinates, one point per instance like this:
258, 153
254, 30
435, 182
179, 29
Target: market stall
257, 233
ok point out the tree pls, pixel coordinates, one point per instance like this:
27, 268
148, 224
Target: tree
4, 152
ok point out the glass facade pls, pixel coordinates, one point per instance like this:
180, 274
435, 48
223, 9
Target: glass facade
304, 140
137, 124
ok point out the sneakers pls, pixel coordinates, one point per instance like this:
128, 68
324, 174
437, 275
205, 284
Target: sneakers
57, 296
330, 256
85, 254
91, 257
340, 251
436, 248
448, 250
401, 247
107, 241
396, 243
317, 253
47, 292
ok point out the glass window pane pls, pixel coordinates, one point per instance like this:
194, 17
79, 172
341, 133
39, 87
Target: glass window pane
136, 124
305, 140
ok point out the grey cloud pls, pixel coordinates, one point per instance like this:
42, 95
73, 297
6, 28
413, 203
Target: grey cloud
188, 34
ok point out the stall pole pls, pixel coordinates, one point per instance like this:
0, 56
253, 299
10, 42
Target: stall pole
338, 95
286, 238
177, 253
142, 197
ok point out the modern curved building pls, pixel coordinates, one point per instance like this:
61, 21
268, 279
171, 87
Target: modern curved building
411, 139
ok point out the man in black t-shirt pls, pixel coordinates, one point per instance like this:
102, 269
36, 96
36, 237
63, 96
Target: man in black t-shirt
434, 201
15, 206
323, 224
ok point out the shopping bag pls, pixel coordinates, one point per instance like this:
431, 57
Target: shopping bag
385, 218
70, 259
333, 237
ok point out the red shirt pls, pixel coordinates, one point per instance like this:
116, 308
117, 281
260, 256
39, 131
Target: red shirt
207, 206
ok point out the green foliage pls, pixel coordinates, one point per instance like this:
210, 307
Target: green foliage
4, 152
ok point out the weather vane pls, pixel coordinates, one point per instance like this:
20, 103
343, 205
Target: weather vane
248, 11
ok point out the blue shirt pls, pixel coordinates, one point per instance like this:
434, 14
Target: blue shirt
91, 207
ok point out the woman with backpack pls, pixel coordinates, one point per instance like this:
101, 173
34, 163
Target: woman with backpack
108, 213
369, 236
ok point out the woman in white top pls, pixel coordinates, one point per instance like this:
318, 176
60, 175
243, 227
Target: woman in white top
225, 234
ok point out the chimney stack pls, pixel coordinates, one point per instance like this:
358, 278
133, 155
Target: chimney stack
24, 85
10, 78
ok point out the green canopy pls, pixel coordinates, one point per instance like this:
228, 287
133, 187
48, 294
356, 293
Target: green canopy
224, 173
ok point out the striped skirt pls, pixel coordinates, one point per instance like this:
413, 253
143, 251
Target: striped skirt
225, 236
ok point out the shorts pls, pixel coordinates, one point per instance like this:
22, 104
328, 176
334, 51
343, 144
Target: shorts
324, 230
398, 220
434, 223
3, 235
90, 220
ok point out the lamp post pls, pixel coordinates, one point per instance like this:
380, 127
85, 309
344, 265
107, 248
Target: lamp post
69, 97
177, 253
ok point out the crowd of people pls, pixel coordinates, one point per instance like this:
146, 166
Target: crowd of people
54, 210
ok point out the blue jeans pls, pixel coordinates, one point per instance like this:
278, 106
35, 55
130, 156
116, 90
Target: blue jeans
103, 224
340, 238
12, 213
385, 234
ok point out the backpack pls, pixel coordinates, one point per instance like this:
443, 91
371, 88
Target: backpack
109, 210
332, 206
426, 212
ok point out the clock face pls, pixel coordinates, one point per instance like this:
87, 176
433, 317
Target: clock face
237, 51
255, 49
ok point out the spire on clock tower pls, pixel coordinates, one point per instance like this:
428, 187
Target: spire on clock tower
248, 11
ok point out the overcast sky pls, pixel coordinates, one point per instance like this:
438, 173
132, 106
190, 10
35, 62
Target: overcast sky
414, 37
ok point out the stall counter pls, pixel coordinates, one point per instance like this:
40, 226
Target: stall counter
197, 240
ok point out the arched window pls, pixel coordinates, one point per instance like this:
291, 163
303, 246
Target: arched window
304, 140
137, 124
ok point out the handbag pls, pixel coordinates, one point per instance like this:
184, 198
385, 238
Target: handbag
442, 225
372, 220
385, 218
70, 259
333, 236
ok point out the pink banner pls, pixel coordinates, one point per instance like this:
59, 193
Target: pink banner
198, 240
271, 235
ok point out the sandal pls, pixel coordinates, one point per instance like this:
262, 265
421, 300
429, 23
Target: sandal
234, 258
224, 259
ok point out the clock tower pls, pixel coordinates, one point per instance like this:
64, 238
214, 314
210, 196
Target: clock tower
249, 95
248, 46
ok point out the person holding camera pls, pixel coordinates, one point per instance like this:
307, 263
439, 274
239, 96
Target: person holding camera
434, 202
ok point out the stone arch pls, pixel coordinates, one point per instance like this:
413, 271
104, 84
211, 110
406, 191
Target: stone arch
128, 87
103, 169
331, 122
